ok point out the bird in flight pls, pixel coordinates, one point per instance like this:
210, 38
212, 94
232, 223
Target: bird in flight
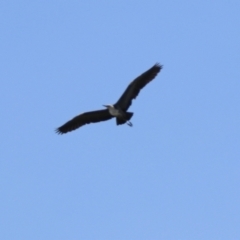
117, 110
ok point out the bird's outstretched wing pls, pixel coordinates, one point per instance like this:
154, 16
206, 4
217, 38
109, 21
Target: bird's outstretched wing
136, 85
84, 118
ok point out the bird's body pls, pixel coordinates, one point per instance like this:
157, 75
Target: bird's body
120, 115
117, 110
113, 111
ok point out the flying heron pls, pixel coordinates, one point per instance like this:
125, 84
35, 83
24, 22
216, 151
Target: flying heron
117, 110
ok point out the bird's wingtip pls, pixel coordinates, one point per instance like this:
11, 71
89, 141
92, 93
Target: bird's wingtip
58, 131
160, 66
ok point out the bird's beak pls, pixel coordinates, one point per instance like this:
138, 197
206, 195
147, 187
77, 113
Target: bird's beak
105, 106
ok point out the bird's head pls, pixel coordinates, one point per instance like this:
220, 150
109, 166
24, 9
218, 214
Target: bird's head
108, 106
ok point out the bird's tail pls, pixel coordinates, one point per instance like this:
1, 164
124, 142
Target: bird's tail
128, 116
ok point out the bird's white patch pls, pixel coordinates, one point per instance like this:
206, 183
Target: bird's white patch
114, 112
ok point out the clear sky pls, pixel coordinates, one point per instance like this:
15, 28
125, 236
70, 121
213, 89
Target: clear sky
174, 175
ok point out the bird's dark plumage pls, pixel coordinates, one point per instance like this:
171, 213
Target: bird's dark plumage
119, 109
84, 118
136, 85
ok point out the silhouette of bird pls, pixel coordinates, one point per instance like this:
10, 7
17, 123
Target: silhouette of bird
117, 110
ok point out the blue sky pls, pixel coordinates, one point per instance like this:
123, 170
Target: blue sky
174, 174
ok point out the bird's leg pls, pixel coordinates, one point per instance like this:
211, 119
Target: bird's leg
129, 123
